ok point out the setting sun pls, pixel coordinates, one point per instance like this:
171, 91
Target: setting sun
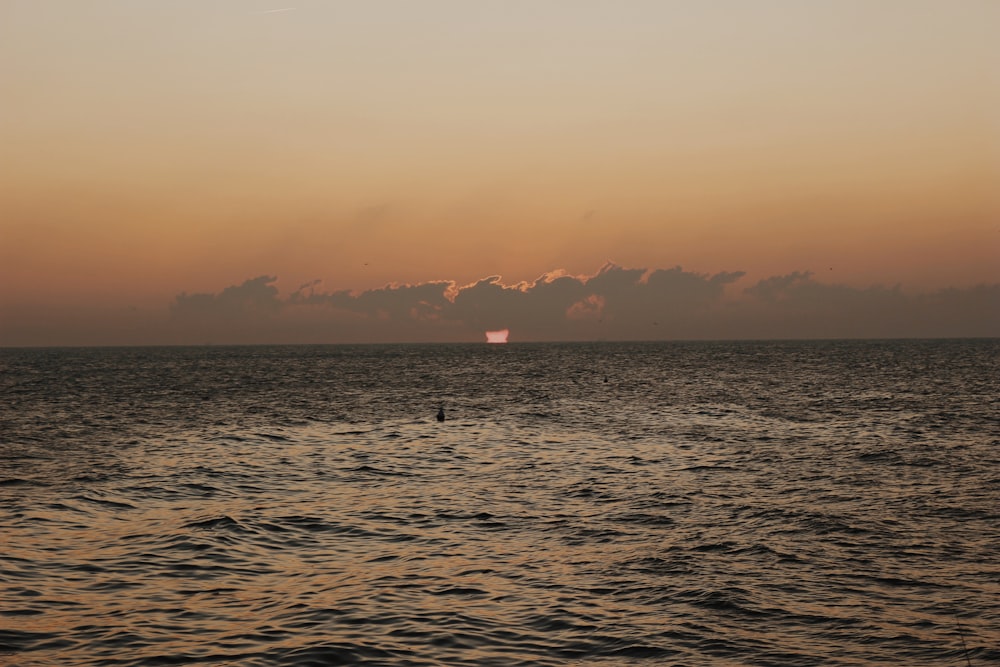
497, 336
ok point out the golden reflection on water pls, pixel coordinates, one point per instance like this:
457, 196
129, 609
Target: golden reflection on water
610, 526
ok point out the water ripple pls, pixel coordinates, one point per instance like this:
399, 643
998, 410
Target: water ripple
768, 504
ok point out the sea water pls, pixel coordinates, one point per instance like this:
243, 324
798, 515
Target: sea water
742, 503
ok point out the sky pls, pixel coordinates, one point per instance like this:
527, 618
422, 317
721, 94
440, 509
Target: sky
255, 171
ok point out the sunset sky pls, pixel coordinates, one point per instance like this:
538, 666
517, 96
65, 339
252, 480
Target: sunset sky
155, 154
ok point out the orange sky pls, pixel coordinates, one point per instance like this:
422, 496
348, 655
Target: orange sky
156, 148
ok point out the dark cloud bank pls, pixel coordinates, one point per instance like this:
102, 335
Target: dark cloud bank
616, 303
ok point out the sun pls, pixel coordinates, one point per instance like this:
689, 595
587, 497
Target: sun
497, 336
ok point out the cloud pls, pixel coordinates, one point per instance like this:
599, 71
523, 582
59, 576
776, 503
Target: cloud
255, 297
591, 308
402, 303
245, 313
614, 303
798, 306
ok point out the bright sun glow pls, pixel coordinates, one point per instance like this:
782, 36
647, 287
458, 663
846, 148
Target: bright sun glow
497, 336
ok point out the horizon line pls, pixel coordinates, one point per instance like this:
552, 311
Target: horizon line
484, 344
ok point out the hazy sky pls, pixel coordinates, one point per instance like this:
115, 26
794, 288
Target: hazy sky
151, 151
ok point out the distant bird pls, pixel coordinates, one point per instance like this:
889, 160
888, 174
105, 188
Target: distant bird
441, 414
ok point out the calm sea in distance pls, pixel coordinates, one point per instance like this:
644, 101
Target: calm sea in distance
709, 503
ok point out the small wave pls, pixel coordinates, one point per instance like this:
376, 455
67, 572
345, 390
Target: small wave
715, 547
463, 591
310, 524
224, 522
21, 612
732, 600
464, 516
887, 455
653, 565
57, 508
15, 641
200, 489
18, 481
373, 470
115, 504
591, 493
644, 519
273, 437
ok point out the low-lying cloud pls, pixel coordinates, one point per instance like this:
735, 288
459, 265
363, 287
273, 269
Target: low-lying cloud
615, 303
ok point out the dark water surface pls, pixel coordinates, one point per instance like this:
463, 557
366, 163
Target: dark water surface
833, 503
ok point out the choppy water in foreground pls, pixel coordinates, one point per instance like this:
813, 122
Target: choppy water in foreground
832, 503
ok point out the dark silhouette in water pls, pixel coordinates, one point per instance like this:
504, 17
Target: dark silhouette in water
441, 414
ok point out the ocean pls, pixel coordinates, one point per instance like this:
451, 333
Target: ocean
698, 503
